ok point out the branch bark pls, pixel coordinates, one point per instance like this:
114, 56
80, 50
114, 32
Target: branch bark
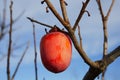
64, 12
10, 42
80, 37
35, 52
107, 60
32, 20
52, 8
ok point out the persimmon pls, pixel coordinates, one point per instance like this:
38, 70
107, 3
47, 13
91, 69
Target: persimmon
56, 51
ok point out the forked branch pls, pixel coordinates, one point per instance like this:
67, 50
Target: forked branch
105, 32
82, 11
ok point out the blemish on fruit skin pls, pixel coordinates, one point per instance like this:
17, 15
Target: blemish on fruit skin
56, 60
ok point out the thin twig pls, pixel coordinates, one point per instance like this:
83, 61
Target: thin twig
80, 37
82, 11
10, 42
32, 20
100, 8
35, 51
110, 9
64, 12
21, 59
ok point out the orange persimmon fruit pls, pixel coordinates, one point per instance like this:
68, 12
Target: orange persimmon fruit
56, 51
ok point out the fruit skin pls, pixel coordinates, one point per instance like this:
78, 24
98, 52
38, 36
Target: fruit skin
56, 51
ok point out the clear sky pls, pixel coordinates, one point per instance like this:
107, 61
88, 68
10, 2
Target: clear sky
91, 30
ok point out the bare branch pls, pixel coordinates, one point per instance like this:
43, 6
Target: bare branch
105, 20
112, 56
100, 8
35, 51
64, 12
80, 37
80, 14
105, 44
110, 9
32, 20
21, 59
55, 12
108, 59
10, 42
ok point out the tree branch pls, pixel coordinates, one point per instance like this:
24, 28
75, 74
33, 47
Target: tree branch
32, 20
108, 59
80, 37
64, 12
2, 24
110, 9
82, 11
100, 8
35, 51
55, 12
10, 42
18, 65
112, 56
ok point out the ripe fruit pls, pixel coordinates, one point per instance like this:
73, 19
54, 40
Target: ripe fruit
56, 51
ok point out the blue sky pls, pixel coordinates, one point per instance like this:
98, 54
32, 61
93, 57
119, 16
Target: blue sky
91, 30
